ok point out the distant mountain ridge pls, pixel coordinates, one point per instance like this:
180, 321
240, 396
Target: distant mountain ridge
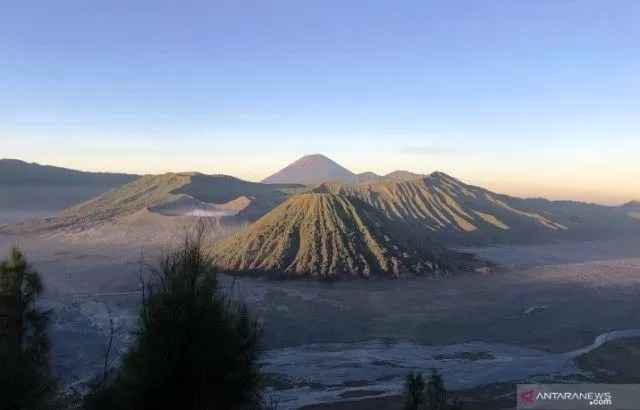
438, 206
317, 168
632, 208
17, 172
151, 191
400, 174
632, 205
364, 177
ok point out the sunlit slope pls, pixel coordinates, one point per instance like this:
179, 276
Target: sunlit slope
153, 190
455, 212
327, 235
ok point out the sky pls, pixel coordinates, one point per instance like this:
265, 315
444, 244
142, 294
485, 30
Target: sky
529, 98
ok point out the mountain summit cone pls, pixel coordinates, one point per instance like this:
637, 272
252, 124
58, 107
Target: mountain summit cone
311, 169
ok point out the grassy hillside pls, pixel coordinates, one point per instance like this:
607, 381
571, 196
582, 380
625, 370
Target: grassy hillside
153, 190
454, 212
327, 236
14, 172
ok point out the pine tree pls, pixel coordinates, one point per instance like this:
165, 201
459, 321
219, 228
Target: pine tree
429, 395
435, 392
194, 349
26, 378
414, 391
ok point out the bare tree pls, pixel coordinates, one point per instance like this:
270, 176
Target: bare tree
113, 330
96, 388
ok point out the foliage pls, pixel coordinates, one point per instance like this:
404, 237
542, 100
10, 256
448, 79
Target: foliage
414, 391
26, 377
195, 348
429, 395
435, 393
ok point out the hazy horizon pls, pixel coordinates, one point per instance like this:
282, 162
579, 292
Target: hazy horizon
504, 188
533, 99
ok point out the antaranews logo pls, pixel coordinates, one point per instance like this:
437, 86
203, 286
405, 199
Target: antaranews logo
590, 398
577, 396
528, 396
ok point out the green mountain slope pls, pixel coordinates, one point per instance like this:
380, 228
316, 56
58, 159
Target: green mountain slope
457, 213
331, 236
247, 198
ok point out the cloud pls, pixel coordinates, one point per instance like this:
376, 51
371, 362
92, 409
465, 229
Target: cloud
425, 150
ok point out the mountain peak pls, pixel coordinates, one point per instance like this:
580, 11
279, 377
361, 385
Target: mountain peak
312, 157
311, 169
439, 175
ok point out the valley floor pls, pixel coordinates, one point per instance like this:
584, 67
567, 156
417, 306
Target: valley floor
613, 362
335, 342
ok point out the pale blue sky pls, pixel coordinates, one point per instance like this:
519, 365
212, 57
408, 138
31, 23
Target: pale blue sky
527, 97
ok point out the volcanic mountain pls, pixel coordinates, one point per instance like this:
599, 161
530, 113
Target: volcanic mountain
453, 212
310, 169
331, 236
316, 169
169, 194
438, 206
